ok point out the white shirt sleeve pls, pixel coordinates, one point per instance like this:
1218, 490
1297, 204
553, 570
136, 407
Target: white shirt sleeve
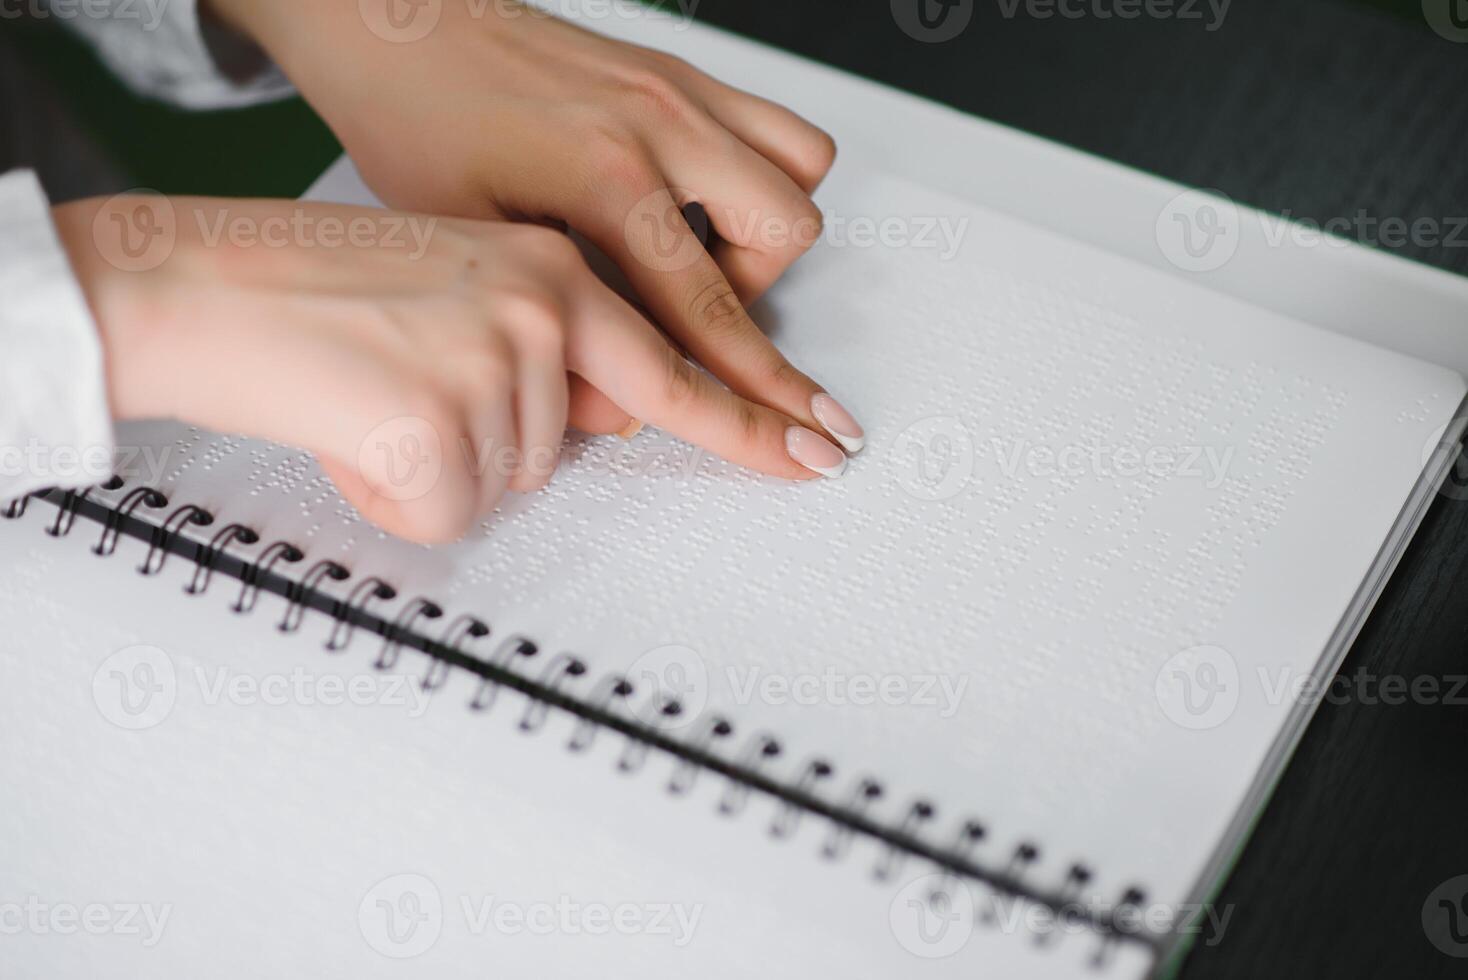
55, 430
161, 48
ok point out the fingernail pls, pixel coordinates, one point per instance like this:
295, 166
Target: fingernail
838, 422
630, 430
814, 453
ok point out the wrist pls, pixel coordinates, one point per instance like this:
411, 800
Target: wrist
113, 298
308, 39
252, 19
282, 29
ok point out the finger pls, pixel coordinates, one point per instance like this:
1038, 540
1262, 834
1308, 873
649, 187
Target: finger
626, 357
403, 519
593, 412
764, 221
541, 406
803, 151
686, 292
406, 476
494, 450
792, 143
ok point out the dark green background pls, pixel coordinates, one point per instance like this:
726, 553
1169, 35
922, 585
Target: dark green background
274, 150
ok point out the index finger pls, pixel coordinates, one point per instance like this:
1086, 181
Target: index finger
627, 358
689, 296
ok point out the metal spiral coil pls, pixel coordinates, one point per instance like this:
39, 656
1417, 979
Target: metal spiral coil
341, 630
204, 566
167, 531
402, 627
606, 705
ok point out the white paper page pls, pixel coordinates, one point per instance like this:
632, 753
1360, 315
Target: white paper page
1090, 491
224, 801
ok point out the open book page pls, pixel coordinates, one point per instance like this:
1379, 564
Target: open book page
1105, 524
212, 797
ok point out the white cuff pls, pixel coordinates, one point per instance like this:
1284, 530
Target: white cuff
160, 49
55, 430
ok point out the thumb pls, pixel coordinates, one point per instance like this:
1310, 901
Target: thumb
593, 412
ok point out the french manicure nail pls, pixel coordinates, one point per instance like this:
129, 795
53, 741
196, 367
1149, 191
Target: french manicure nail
814, 453
838, 422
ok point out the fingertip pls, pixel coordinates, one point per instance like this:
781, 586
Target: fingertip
815, 453
840, 424
535, 470
422, 521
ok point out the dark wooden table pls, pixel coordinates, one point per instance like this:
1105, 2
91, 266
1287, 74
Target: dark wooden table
1318, 108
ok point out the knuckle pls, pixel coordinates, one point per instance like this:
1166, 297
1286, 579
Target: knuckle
529, 307
669, 63
652, 91
546, 243
465, 239
485, 363
533, 314
748, 423
614, 157
787, 375
681, 380
714, 308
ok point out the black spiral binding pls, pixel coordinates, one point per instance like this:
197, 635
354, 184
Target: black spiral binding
604, 708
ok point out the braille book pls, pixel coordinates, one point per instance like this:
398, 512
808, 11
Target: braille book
1001, 701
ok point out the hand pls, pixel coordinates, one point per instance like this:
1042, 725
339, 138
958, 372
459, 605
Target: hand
355, 333
502, 112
